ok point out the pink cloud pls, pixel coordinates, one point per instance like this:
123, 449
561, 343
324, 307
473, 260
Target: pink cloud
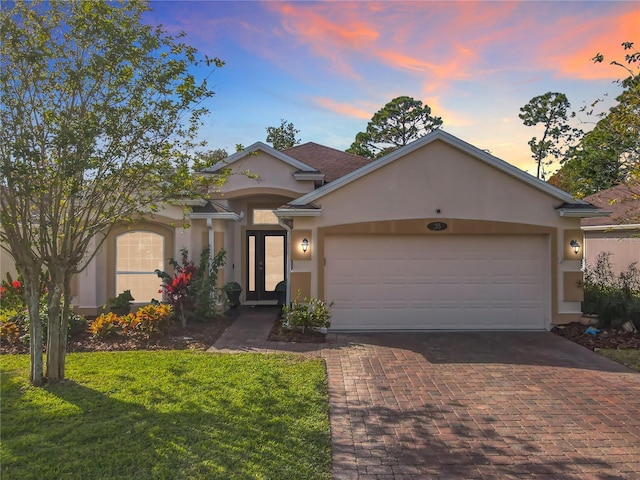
416, 37
603, 35
413, 37
344, 108
451, 118
313, 25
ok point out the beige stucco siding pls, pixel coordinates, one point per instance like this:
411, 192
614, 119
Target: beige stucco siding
472, 197
272, 174
7, 265
438, 176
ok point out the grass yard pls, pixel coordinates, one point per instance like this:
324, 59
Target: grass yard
629, 357
167, 414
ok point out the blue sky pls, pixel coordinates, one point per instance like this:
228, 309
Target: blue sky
329, 66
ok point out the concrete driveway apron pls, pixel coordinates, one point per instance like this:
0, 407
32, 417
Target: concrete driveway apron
479, 406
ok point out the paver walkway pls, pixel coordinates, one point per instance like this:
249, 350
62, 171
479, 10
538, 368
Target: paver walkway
469, 405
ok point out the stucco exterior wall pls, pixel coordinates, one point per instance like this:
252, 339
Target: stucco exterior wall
439, 177
272, 175
624, 246
441, 183
7, 265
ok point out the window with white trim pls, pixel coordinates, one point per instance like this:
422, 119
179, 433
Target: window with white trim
138, 255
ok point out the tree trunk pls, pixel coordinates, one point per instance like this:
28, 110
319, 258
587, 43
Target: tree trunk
53, 331
64, 325
31, 279
183, 318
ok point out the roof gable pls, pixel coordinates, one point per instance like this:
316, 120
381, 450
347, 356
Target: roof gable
622, 201
259, 146
330, 161
440, 135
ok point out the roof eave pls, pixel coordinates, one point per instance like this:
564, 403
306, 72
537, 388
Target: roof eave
627, 226
582, 213
308, 176
217, 216
297, 212
303, 167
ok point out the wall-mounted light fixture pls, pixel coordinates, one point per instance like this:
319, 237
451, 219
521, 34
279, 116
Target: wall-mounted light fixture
575, 245
305, 245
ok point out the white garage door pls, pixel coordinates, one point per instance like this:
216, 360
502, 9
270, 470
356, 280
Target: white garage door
437, 282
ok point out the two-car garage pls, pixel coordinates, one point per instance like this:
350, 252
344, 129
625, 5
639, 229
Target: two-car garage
440, 235
437, 282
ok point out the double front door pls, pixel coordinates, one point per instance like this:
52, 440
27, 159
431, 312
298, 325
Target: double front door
266, 260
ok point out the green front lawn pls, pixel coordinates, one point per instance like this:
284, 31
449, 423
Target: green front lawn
169, 414
629, 357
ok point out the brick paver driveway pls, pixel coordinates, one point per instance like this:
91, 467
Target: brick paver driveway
480, 405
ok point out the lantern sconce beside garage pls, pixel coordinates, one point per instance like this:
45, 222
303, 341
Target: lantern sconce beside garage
575, 246
304, 245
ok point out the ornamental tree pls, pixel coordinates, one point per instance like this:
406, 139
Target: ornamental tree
398, 123
99, 113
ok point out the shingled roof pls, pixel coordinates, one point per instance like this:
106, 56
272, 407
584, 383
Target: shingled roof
333, 163
622, 201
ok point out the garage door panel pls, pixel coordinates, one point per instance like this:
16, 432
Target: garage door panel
449, 282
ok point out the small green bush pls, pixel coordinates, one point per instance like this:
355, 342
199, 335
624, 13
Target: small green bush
615, 300
307, 313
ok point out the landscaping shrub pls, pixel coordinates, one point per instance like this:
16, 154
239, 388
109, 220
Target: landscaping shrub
147, 320
14, 313
106, 324
152, 318
307, 313
9, 331
615, 300
11, 294
191, 290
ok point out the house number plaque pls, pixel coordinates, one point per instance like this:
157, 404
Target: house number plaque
437, 226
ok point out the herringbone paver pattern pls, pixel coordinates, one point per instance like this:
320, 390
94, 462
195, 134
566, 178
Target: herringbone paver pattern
475, 406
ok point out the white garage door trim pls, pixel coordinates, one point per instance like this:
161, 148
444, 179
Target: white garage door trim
452, 282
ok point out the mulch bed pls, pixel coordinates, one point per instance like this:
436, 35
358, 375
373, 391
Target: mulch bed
280, 334
196, 336
201, 336
612, 338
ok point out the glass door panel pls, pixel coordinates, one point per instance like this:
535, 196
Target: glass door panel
266, 260
273, 261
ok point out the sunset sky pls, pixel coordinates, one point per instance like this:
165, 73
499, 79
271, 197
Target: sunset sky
329, 66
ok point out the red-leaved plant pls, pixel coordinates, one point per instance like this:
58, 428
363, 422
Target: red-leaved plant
191, 288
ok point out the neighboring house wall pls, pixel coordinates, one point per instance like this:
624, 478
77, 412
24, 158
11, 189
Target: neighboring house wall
619, 233
624, 246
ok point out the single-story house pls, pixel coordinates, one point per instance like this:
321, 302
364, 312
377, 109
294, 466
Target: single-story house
618, 233
437, 235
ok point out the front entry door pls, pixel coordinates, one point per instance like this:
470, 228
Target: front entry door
266, 262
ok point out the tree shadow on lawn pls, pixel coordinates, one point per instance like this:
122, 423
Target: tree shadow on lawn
106, 437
